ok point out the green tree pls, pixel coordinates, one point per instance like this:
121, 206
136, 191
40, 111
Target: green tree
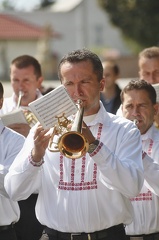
6, 5
46, 3
138, 20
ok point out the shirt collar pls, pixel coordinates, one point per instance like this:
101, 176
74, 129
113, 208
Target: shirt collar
152, 133
101, 117
1, 127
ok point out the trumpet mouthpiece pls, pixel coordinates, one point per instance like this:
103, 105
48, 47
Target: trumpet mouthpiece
21, 94
135, 121
19, 98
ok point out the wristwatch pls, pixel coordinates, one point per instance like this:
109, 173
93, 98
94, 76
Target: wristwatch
93, 146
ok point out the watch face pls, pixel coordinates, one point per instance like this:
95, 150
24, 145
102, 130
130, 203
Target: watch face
93, 146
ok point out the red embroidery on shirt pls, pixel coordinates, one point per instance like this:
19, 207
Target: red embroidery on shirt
148, 195
82, 185
143, 197
150, 147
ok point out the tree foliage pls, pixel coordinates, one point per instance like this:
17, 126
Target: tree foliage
138, 20
6, 5
46, 3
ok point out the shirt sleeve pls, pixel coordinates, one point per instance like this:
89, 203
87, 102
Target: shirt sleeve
151, 174
23, 178
11, 143
122, 169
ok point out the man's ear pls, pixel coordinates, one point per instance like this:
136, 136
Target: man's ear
102, 84
1, 102
156, 108
40, 80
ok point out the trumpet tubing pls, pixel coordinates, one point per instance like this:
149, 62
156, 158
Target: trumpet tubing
29, 116
20, 98
71, 144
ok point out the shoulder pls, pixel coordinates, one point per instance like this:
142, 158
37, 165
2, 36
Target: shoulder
8, 100
8, 105
12, 141
155, 133
115, 120
123, 124
118, 89
121, 120
11, 135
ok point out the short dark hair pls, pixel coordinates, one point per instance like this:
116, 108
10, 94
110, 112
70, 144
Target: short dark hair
81, 55
151, 52
1, 90
113, 66
139, 84
24, 61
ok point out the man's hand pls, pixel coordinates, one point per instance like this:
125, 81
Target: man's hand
87, 133
41, 141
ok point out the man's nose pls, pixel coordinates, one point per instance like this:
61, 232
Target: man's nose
21, 85
77, 91
135, 111
151, 78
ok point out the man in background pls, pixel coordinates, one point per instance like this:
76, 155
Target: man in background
149, 65
149, 69
110, 96
139, 105
10, 145
26, 78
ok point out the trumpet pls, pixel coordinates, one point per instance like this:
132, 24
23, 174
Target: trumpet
70, 142
135, 121
21, 94
29, 116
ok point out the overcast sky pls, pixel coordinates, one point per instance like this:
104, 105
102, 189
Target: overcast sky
26, 5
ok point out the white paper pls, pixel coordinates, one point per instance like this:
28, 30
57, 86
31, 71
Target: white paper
53, 104
156, 87
15, 116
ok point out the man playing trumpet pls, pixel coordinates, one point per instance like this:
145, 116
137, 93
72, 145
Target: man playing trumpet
88, 197
26, 79
139, 105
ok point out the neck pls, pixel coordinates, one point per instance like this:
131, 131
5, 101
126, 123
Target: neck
109, 93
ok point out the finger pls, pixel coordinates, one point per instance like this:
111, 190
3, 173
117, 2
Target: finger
39, 131
41, 136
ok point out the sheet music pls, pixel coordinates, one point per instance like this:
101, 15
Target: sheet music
53, 104
15, 116
156, 87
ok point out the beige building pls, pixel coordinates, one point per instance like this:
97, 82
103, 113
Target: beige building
80, 23
18, 37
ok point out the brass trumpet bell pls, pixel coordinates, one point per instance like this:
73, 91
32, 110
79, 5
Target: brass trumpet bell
71, 143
